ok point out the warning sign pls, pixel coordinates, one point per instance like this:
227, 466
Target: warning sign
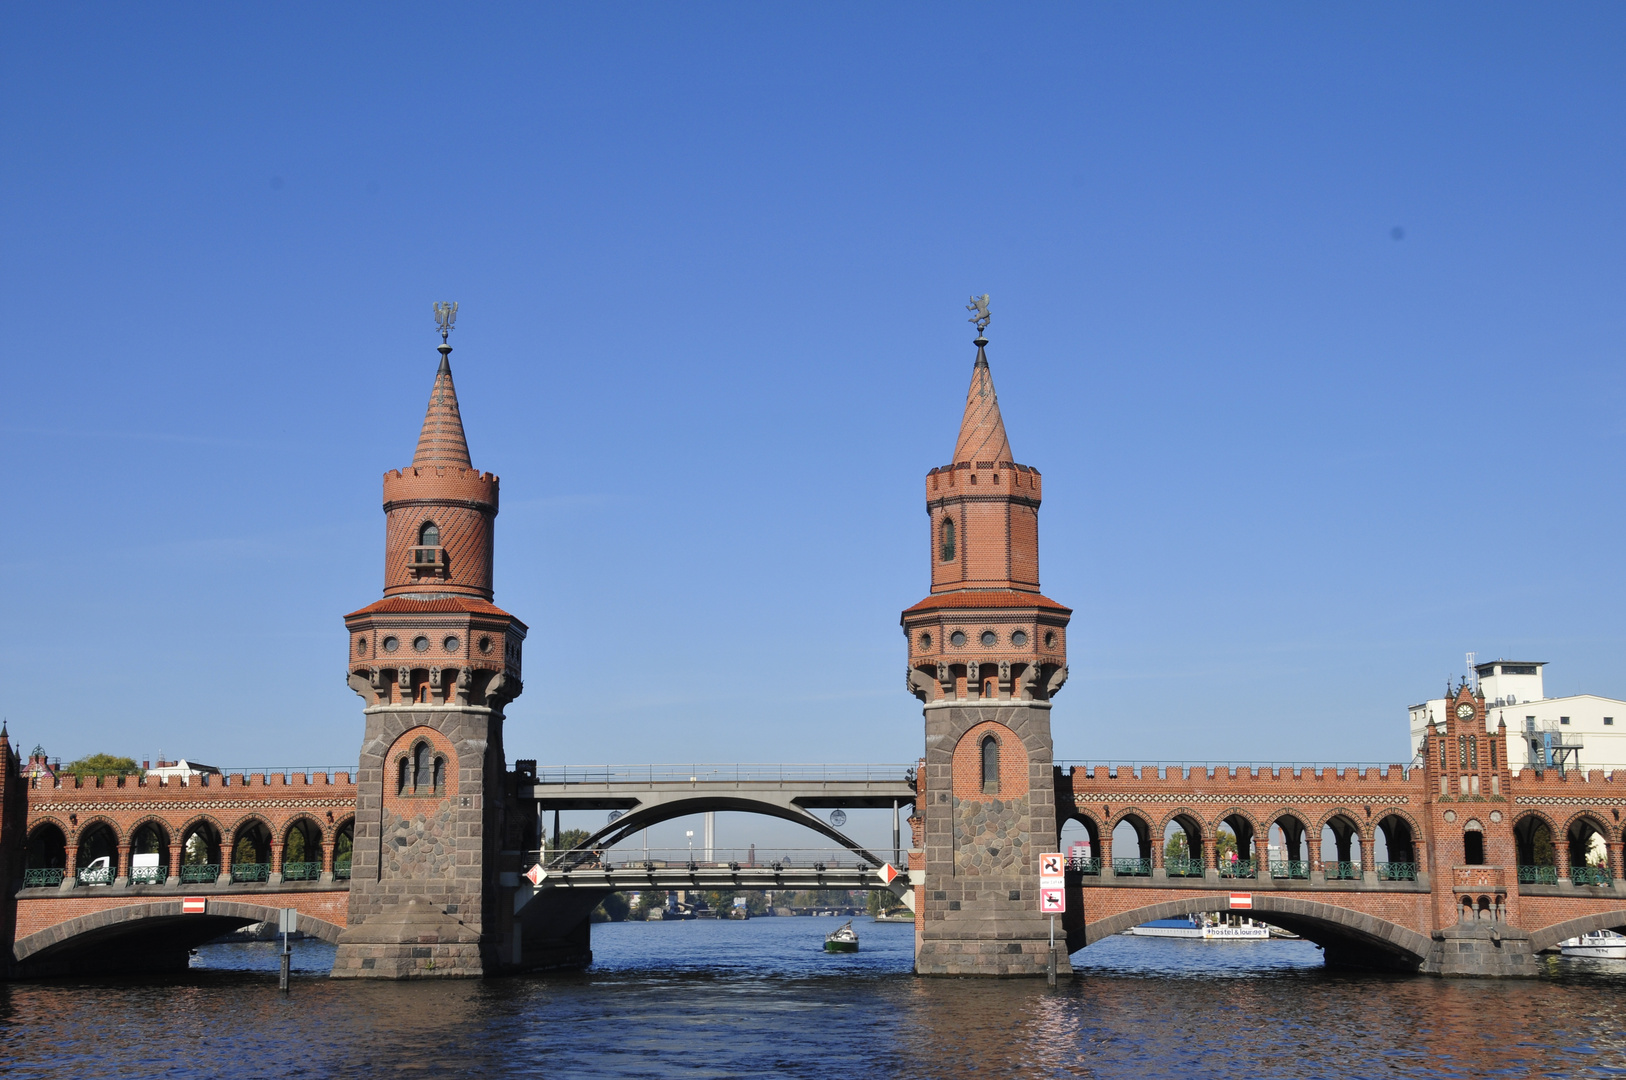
535, 874
1051, 865
887, 873
1052, 901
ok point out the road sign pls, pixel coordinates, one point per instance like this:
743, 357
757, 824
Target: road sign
1052, 901
193, 905
887, 872
1051, 865
535, 874
288, 921
1242, 901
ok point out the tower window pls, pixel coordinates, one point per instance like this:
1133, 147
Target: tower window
429, 535
423, 781
947, 549
1473, 848
990, 765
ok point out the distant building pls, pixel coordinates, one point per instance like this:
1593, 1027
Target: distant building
41, 767
182, 770
1582, 731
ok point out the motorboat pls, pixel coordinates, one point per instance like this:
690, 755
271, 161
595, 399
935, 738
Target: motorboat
1598, 945
842, 939
1206, 927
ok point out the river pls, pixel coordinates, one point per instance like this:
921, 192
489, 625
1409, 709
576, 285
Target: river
761, 998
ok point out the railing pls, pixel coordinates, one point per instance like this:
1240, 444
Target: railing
1183, 866
1164, 770
341, 871
250, 871
199, 873
1342, 871
1397, 871
761, 858
103, 876
1132, 867
1087, 867
707, 774
301, 871
1538, 875
148, 875
1290, 868
1591, 875
1238, 868
43, 877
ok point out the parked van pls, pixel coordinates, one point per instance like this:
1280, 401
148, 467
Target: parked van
99, 872
144, 870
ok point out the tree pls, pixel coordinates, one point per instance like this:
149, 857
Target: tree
104, 765
1224, 845
568, 839
1177, 847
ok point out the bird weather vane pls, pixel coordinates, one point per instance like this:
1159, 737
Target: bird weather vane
979, 304
446, 318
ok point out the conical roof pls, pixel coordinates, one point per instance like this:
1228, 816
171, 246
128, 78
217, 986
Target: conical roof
441, 442
982, 430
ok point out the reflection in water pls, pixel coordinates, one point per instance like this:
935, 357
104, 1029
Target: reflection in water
762, 998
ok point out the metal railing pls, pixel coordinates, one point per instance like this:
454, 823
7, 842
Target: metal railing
301, 871
1591, 875
1182, 866
1538, 875
1341, 871
341, 871
148, 875
714, 773
761, 858
1238, 868
1397, 871
43, 877
199, 873
1291, 868
1088, 867
103, 876
1132, 867
250, 871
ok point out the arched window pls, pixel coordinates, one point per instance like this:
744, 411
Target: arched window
404, 779
1473, 844
423, 780
1442, 752
429, 535
1473, 751
990, 765
439, 781
946, 550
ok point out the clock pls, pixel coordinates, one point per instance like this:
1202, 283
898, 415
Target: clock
1465, 711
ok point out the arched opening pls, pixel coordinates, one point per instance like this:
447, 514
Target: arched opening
1538, 859
344, 844
251, 852
1081, 842
1288, 852
302, 851
438, 781
98, 855
1183, 847
403, 776
990, 765
1588, 853
1473, 844
200, 854
1132, 847
946, 546
429, 535
45, 856
1341, 849
149, 855
1234, 848
1395, 850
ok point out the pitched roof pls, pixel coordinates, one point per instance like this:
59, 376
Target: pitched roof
441, 442
407, 605
987, 598
982, 430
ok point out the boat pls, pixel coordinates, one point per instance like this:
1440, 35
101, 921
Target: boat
1598, 945
900, 915
1175, 928
1203, 927
842, 939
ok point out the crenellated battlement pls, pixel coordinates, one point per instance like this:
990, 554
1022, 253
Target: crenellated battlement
1181, 777
1553, 778
431, 482
984, 478
160, 785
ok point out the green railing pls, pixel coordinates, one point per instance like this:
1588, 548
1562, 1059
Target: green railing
341, 871
199, 873
1290, 868
1538, 875
1341, 871
1183, 866
301, 871
103, 876
1397, 871
43, 877
1132, 867
148, 875
1087, 867
250, 871
1235, 868
1591, 875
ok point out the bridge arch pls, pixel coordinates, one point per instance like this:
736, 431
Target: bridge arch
1191, 826
1549, 936
1578, 839
210, 836
1141, 823
1347, 936
138, 936
1526, 838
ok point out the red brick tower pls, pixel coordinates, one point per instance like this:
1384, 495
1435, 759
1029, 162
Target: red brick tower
436, 662
987, 652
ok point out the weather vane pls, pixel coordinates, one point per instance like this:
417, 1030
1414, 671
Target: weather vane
979, 304
446, 318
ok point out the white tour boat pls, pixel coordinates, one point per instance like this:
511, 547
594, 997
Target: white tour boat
1598, 945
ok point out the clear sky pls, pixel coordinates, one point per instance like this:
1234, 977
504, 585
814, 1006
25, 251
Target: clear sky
1311, 316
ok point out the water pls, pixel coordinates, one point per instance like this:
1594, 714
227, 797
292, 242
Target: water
760, 998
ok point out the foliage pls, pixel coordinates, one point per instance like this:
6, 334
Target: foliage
104, 765
568, 839
1224, 845
1177, 847
614, 908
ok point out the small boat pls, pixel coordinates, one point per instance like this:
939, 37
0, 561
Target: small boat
1205, 927
900, 915
844, 939
1175, 928
1598, 945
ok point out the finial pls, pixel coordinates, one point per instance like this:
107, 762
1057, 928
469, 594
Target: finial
979, 305
446, 319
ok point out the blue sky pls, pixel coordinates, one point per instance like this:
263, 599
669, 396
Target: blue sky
1311, 316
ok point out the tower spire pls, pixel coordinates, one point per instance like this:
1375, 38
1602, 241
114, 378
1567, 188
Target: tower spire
441, 440
982, 429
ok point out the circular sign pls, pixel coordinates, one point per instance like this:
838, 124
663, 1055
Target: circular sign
838, 818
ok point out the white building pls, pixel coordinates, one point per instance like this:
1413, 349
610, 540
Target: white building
1582, 731
183, 770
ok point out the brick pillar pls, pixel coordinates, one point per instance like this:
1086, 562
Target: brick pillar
225, 858
1157, 852
1617, 869
328, 846
1369, 850
276, 856
1106, 849
122, 865
71, 873
175, 852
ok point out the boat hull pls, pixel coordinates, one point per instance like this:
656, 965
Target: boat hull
841, 946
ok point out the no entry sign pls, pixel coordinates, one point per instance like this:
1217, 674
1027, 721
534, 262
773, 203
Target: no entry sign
193, 905
1242, 901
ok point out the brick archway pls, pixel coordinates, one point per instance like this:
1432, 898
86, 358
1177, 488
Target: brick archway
1549, 936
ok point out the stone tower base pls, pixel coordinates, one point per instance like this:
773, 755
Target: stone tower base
1481, 950
415, 940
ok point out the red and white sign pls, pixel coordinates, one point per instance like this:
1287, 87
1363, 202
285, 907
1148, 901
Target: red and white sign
193, 905
1051, 865
1052, 901
535, 874
888, 873
1242, 901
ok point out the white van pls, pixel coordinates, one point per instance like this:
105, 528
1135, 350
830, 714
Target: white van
144, 870
99, 872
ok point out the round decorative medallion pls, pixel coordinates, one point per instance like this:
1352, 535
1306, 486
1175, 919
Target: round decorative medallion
1019, 639
925, 641
989, 639
391, 644
1496, 815
957, 638
420, 644
1450, 815
451, 643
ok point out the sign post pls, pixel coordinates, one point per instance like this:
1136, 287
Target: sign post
288, 922
1052, 900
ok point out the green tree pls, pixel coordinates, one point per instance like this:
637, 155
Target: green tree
1224, 844
104, 765
568, 839
1177, 847
613, 908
